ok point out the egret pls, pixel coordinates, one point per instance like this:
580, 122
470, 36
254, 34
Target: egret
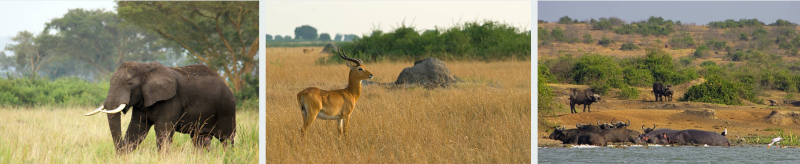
775, 141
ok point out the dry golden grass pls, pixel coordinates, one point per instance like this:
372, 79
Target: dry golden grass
64, 135
475, 122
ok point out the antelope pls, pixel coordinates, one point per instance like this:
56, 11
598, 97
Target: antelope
305, 51
335, 104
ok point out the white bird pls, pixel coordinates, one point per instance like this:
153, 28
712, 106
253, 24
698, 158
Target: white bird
775, 141
725, 132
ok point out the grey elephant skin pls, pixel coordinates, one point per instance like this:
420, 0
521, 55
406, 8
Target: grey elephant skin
193, 100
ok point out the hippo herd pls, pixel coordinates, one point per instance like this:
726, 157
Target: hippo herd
618, 132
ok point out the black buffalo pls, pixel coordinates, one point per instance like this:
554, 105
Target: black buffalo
585, 98
589, 128
692, 136
577, 137
621, 124
668, 93
620, 135
651, 136
648, 130
658, 91
605, 126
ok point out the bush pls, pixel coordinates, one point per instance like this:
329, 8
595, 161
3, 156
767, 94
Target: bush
629, 46
701, 51
605, 42
587, 39
67, 91
716, 45
684, 40
565, 20
558, 34
628, 93
715, 90
546, 100
653, 26
781, 22
488, 41
743, 36
637, 77
685, 61
603, 24
730, 23
597, 69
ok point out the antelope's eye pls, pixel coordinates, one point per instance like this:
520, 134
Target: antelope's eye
360, 69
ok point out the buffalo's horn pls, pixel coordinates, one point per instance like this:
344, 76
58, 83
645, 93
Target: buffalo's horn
612, 120
642, 127
598, 122
94, 112
117, 110
654, 126
629, 122
578, 125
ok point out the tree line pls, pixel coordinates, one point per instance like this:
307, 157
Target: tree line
309, 33
91, 44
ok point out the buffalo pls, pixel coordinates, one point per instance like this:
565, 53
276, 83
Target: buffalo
651, 136
605, 126
648, 130
620, 135
692, 136
658, 91
621, 124
668, 93
585, 98
577, 137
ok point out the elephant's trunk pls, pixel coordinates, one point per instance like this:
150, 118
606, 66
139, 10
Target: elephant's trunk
114, 123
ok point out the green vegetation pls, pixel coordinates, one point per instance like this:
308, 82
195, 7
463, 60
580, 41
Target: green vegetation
730, 23
605, 42
715, 90
683, 40
488, 41
587, 39
653, 26
628, 93
629, 46
702, 51
566, 20
66, 91
781, 22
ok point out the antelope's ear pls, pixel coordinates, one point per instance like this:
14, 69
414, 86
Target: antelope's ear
350, 64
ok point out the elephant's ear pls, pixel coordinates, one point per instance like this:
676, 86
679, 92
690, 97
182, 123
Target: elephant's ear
159, 85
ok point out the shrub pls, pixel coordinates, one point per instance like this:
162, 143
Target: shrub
629, 46
685, 61
730, 23
565, 20
701, 51
637, 77
547, 104
587, 39
62, 91
684, 40
596, 69
781, 22
558, 34
716, 45
743, 36
603, 24
628, 93
487, 40
605, 42
714, 90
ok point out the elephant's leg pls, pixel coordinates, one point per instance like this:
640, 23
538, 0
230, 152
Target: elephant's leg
227, 130
137, 130
201, 141
164, 132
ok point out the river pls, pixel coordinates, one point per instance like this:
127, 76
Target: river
682, 154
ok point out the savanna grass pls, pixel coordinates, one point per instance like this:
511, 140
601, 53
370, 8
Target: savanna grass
63, 135
484, 120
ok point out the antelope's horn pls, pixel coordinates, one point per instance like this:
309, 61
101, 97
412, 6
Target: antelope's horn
344, 56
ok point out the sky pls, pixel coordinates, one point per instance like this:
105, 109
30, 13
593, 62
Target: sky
687, 12
360, 17
16, 16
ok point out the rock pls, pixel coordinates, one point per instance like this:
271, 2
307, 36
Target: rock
430, 72
783, 117
708, 113
330, 47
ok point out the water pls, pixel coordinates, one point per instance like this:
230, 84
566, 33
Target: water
683, 154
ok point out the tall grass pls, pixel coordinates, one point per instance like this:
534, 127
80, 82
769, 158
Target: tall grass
486, 120
63, 135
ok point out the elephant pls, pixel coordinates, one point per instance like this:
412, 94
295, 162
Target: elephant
192, 100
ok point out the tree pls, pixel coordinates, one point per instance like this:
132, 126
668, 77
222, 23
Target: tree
220, 34
101, 40
338, 37
30, 52
325, 37
305, 32
278, 37
350, 37
269, 37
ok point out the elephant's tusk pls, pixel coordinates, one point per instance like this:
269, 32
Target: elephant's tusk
95, 111
121, 106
